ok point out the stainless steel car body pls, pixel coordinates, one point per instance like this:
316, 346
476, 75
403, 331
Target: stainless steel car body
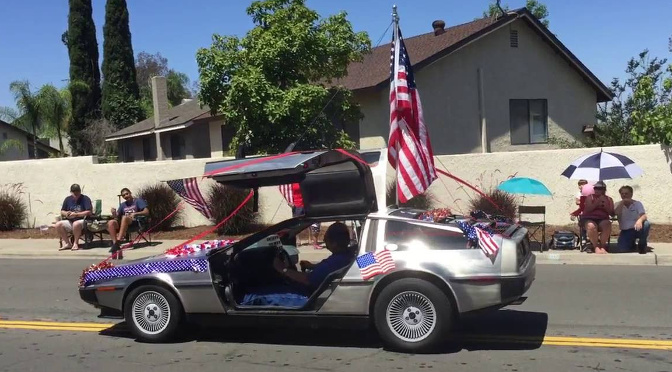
471, 280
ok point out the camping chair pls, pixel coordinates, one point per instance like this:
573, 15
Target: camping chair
535, 226
140, 228
90, 229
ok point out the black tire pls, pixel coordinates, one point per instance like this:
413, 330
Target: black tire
427, 324
153, 300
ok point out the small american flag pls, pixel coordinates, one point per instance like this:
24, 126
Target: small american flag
485, 241
372, 264
188, 190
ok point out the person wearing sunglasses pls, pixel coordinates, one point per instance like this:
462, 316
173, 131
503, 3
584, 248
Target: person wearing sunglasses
597, 217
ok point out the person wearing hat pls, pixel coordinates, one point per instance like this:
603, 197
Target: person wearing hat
596, 216
75, 209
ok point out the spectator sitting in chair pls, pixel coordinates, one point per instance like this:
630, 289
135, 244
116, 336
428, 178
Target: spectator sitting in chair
75, 208
633, 222
596, 217
128, 210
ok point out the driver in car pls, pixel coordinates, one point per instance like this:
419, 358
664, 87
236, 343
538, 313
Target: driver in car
301, 285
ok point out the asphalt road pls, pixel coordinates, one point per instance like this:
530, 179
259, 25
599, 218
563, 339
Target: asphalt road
572, 308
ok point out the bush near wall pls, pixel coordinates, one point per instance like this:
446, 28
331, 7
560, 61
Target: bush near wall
223, 200
13, 210
421, 201
161, 201
508, 203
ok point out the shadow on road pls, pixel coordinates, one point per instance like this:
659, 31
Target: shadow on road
500, 330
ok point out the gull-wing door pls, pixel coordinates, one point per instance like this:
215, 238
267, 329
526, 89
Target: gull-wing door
333, 182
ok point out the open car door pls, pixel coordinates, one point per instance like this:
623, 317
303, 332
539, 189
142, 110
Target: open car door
333, 182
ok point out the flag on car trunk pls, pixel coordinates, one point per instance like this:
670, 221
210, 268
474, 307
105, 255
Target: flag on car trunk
188, 190
409, 148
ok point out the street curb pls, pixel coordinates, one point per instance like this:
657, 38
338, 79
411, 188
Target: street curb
620, 259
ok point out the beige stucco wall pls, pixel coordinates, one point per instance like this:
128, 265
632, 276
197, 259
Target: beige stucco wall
449, 94
45, 186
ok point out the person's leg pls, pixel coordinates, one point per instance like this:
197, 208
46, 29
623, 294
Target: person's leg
77, 228
125, 223
643, 236
605, 232
63, 227
112, 228
625, 240
591, 232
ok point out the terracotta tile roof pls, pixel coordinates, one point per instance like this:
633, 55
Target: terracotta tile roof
375, 68
176, 115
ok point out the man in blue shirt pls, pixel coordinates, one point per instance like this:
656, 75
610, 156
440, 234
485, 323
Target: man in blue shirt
125, 217
304, 284
75, 208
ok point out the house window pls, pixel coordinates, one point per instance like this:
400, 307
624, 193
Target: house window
177, 147
146, 149
528, 119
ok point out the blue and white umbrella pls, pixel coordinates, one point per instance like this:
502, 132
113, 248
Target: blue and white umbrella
603, 166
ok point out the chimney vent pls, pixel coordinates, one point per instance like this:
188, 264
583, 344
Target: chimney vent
438, 27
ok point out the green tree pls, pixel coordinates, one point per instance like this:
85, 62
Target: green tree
27, 114
641, 111
121, 97
535, 7
149, 65
80, 39
55, 111
272, 83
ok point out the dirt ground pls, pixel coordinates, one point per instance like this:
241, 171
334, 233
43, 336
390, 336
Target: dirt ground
659, 233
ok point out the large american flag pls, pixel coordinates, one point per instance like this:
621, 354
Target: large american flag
286, 191
415, 161
372, 264
188, 190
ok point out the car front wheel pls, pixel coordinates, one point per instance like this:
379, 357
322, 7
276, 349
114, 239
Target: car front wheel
153, 313
412, 315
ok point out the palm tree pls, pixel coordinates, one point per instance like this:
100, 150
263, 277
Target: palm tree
28, 114
55, 110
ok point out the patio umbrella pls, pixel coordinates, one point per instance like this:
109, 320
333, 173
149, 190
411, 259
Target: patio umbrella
524, 185
602, 166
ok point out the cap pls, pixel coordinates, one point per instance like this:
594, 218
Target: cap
75, 188
599, 184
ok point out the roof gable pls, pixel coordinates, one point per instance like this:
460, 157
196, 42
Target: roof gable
424, 49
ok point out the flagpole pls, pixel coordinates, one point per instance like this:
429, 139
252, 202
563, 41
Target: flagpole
395, 20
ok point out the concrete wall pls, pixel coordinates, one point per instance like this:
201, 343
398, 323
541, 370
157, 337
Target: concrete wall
450, 95
46, 182
45, 186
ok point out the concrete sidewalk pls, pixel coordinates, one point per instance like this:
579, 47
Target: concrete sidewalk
661, 254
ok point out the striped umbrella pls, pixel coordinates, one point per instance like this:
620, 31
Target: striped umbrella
602, 166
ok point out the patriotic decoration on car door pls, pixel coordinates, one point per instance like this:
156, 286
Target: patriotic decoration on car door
372, 264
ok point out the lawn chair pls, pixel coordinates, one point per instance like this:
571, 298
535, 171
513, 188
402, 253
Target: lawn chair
584, 243
534, 226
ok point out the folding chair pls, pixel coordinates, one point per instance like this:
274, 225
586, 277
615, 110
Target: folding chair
534, 226
87, 233
584, 243
143, 225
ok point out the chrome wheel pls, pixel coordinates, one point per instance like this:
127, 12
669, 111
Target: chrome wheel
151, 312
411, 316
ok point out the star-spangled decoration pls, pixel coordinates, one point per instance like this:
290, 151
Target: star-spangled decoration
196, 265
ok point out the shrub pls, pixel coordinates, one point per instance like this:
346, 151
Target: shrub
162, 201
12, 209
508, 203
421, 201
223, 200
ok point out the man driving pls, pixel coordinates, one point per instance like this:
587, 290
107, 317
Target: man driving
301, 285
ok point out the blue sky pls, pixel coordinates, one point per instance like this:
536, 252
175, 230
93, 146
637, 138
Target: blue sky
603, 34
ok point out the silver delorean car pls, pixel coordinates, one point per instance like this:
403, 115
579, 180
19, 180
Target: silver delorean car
409, 278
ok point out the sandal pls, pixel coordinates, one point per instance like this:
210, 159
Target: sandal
65, 247
74, 248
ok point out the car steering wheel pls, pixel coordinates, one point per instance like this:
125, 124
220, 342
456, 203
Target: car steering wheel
284, 257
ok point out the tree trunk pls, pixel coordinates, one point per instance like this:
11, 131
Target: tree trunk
34, 142
60, 141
